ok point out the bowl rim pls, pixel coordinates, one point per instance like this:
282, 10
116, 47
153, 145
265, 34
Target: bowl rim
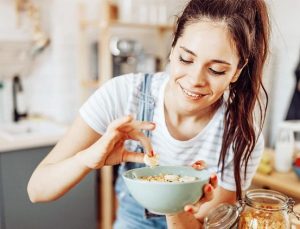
205, 171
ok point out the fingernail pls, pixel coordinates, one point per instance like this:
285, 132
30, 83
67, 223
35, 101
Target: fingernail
214, 178
209, 189
153, 123
191, 211
151, 154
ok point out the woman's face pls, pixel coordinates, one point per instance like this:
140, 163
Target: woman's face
203, 63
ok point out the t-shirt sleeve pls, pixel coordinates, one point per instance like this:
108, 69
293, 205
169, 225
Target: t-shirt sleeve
106, 104
228, 181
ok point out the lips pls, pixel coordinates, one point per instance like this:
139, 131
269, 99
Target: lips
191, 94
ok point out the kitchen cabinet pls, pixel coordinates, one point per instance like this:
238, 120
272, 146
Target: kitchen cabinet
76, 210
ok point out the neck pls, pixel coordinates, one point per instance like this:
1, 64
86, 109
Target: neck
184, 125
177, 115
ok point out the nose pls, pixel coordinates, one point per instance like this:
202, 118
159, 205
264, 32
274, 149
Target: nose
198, 77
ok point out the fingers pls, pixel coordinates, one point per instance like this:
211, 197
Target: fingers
127, 128
139, 136
137, 125
133, 157
208, 195
120, 122
213, 180
132, 129
199, 165
194, 209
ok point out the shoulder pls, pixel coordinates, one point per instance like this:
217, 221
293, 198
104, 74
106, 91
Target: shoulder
133, 82
159, 78
120, 87
157, 83
135, 79
124, 81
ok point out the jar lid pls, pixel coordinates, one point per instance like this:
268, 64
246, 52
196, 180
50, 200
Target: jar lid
268, 200
224, 216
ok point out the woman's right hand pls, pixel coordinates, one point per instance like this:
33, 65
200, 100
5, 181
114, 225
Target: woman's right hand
208, 192
110, 150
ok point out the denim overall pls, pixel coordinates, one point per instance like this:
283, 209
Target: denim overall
131, 215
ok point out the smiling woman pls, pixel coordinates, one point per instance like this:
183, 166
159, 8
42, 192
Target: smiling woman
219, 48
203, 64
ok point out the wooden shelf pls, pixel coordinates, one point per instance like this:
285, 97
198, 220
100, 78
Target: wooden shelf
115, 23
89, 84
141, 25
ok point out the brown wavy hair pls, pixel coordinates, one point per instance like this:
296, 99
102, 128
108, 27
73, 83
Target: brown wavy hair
248, 23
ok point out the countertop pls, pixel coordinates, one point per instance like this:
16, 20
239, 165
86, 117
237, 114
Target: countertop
29, 134
287, 183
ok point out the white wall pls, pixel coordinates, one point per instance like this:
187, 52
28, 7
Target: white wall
52, 87
285, 54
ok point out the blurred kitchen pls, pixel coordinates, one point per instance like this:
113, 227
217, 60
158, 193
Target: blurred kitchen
54, 54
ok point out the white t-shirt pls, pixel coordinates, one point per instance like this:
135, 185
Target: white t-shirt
118, 97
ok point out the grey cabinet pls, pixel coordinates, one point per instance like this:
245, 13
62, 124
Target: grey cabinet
75, 210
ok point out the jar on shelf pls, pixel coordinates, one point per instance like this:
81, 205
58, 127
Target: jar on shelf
284, 147
260, 209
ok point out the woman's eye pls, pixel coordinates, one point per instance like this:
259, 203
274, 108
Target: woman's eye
217, 72
184, 61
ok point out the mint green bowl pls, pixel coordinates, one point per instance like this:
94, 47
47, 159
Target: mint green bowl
164, 197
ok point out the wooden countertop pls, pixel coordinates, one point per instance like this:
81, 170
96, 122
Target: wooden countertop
287, 183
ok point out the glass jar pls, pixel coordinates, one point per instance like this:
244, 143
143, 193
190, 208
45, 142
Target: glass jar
284, 147
260, 209
225, 216
265, 209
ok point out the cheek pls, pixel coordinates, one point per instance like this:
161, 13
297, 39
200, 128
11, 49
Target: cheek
219, 86
175, 69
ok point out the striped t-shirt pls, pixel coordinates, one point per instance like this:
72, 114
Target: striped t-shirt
119, 97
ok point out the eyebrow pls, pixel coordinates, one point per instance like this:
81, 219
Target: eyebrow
215, 60
188, 51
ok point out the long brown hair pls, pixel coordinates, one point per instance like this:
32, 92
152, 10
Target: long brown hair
248, 23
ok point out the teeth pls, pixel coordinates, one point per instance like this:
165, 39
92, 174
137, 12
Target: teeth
191, 94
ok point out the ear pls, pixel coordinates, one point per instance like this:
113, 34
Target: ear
237, 73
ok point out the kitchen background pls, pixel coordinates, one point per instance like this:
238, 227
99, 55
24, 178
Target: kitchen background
54, 71
58, 76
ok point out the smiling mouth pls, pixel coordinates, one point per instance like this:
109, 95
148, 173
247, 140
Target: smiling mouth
190, 94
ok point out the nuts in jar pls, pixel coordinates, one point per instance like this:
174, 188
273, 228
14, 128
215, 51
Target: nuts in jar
260, 209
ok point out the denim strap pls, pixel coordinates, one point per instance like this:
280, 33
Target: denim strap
145, 113
146, 102
146, 105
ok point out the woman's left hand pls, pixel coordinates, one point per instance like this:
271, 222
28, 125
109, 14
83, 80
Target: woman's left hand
208, 191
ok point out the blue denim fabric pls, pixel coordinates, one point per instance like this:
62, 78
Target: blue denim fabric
131, 215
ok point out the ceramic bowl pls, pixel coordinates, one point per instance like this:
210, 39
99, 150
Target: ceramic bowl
166, 197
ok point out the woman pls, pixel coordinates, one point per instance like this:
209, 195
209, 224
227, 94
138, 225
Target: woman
202, 109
